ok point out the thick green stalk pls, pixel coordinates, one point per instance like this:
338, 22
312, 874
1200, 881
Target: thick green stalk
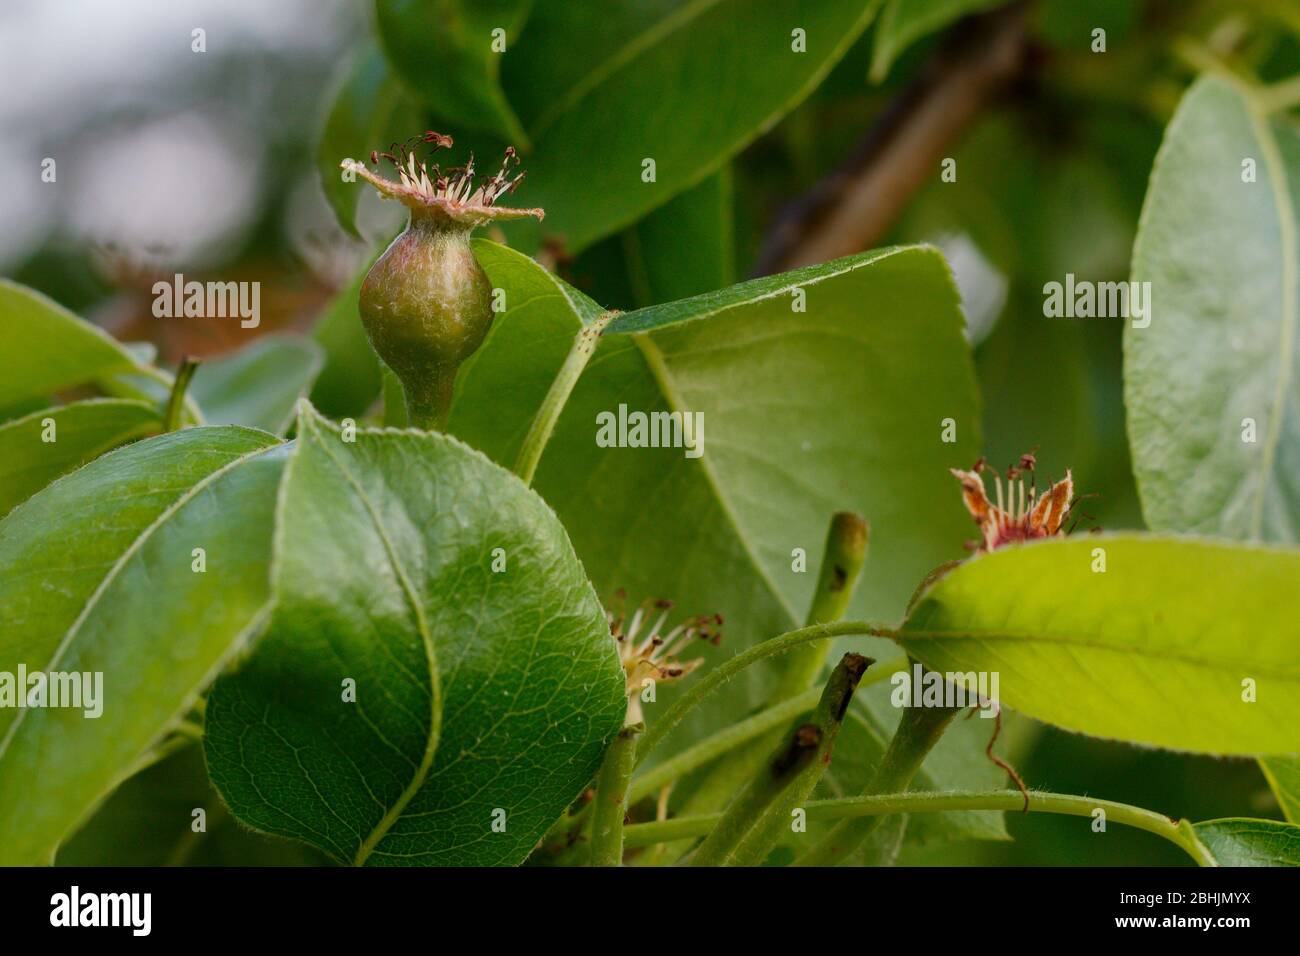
1282, 96
1178, 832
736, 735
429, 405
918, 731
539, 433
714, 679
175, 411
722, 742
842, 560
610, 805
756, 819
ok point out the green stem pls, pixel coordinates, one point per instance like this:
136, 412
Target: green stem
610, 805
852, 808
176, 400
715, 678
1279, 97
730, 737
721, 742
539, 433
842, 560
190, 729
755, 820
918, 731
157, 754
429, 408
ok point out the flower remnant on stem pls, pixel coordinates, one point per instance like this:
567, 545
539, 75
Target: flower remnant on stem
649, 654
1019, 515
427, 189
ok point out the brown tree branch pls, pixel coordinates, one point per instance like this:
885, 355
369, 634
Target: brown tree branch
853, 207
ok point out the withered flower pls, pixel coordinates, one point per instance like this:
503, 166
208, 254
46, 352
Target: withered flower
1020, 513
648, 653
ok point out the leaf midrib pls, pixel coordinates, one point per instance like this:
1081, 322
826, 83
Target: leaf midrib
647, 320
1074, 640
1286, 214
421, 774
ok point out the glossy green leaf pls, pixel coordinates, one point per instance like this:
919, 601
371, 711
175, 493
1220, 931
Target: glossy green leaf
1069, 24
149, 821
683, 248
45, 349
80, 564
500, 387
37, 448
1212, 386
259, 385
1177, 643
482, 698
587, 113
1244, 842
839, 407
903, 22
443, 52
369, 111
1222, 346
1283, 774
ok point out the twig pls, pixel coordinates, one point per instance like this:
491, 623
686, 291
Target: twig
852, 208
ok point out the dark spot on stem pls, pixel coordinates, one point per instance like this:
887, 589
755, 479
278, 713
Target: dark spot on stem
804, 741
855, 665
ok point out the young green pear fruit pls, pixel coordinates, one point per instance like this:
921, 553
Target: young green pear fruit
426, 303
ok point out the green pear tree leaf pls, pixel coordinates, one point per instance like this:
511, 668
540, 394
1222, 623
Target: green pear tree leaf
349, 381
1237, 841
45, 349
99, 575
1176, 644
447, 54
149, 821
438, 681
369, 111
662, 267
841, 406
647, 262
903, 22
1283, 775
37, 448
1212, 386
259, 385
586, 114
